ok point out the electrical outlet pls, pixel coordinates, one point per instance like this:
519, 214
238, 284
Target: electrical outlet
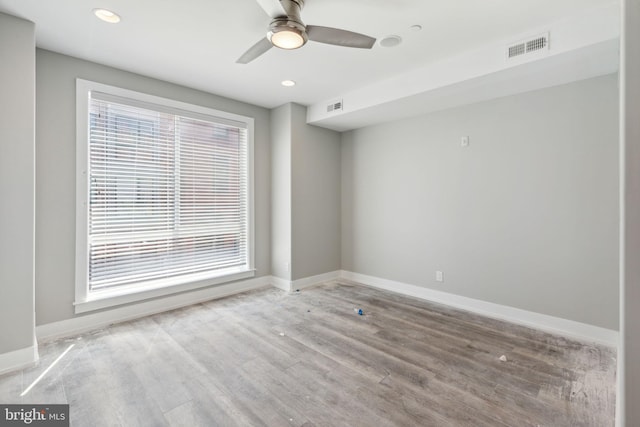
439, 276
464, 141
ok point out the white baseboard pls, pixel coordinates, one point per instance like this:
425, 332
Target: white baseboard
555, 325
85, 323
18, 359
305, 282
280, 283
315, 280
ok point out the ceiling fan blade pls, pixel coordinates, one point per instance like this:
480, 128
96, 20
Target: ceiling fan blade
273, 8
255, 51
339, 37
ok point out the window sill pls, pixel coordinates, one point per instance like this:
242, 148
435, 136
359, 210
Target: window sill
111, 298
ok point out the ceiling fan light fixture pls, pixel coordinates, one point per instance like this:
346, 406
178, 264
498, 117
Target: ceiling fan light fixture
287, 37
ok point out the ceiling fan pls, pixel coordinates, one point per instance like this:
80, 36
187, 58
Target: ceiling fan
287, 31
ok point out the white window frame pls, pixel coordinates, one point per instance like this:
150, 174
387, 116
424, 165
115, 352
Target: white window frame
88, 301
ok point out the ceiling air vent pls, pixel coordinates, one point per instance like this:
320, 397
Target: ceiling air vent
534, 44
334, 106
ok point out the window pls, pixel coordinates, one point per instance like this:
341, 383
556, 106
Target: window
164, 196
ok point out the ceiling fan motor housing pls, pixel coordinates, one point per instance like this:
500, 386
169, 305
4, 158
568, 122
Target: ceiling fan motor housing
291, 22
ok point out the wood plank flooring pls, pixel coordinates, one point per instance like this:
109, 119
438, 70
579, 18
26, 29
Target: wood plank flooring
269, 358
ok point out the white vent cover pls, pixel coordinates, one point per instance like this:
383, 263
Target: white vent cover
335, 106
531, 45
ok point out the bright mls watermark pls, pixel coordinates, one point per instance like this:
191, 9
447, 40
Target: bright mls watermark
34, 415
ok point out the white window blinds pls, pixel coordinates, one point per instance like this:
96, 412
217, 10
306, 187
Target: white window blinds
168, 194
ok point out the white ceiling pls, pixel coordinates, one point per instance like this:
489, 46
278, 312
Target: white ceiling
196, 42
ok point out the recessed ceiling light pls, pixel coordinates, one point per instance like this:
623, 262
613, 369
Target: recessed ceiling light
107, 15
415, 27
288, 83
391, 41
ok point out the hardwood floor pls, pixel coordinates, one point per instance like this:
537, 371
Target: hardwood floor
268, 358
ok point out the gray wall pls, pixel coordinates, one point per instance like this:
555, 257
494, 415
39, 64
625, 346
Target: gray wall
526, 216
17, 174
629, 375
55, 171
281, 192
305, 195
315, 189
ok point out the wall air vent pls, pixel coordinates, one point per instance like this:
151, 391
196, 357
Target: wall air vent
531, 45
334, 106
517, 50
